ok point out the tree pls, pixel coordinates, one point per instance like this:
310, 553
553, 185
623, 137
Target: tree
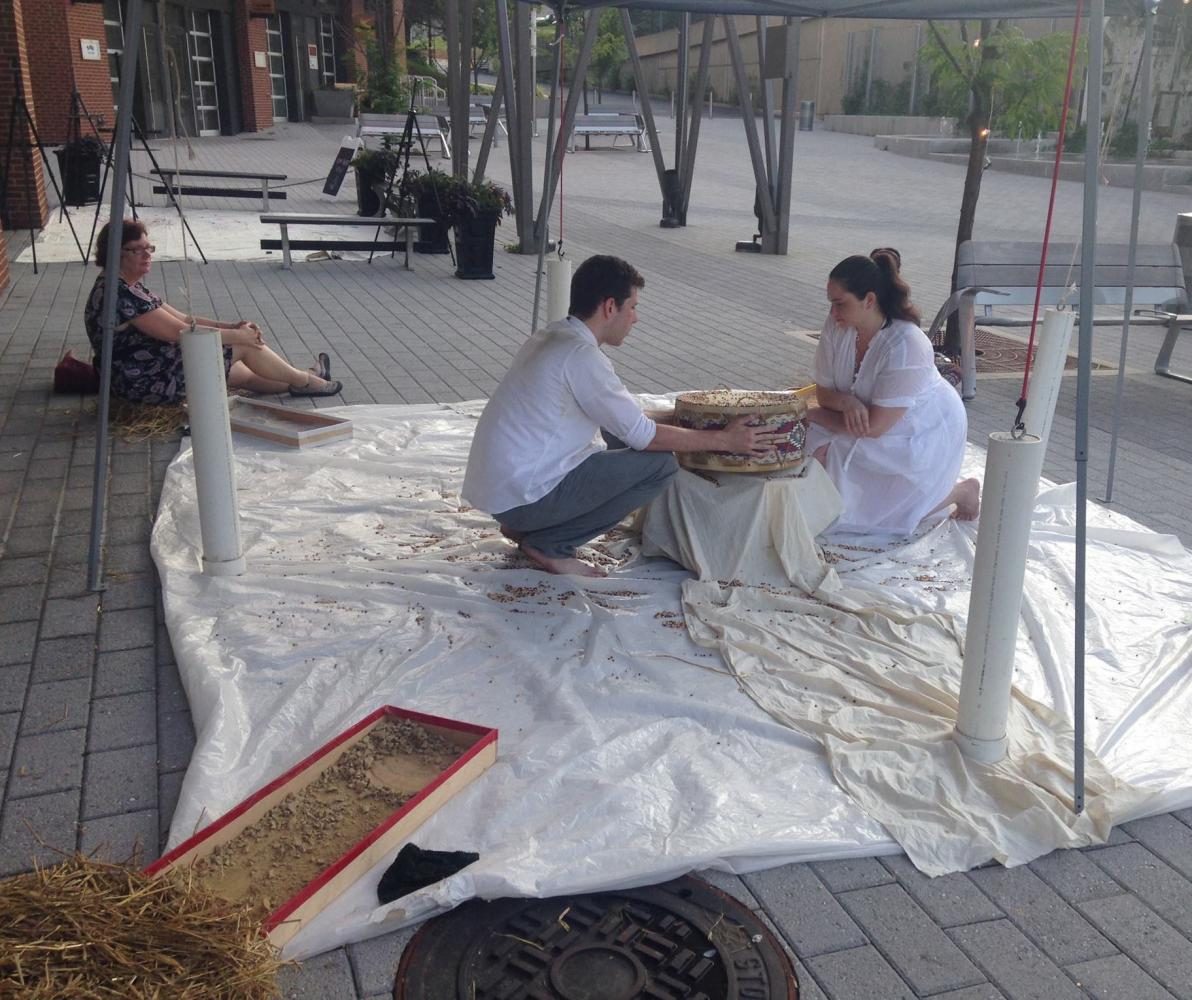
484, 38
609, 51
993, 78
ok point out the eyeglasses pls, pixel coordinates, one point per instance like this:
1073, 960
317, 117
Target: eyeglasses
140, 251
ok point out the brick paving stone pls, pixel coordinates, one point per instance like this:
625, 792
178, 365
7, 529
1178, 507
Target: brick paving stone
9, 724
20, 604
138, 591
61, 659
169, 785
125, 720
125, 671
69, 616
71, 550
120, 781
1168, 838
68, 580
1074, 875
1040, 913
374, 962
730, 884
17, 640
909, 940
14, 682
175, 740
126, 837
38, 829
324, 977
858, 974
48, 762
983, 992
1116, 978
31, 541
812, 921
171, 695
31, 569
1146, 938
1158, 885
1013, 963
57, 705
126, 629
851, 873
949, 899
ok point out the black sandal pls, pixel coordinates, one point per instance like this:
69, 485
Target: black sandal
323, 361
332, 388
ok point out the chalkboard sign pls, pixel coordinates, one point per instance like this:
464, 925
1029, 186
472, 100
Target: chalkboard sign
340, 167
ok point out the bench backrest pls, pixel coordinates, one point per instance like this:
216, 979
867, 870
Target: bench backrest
376, 122
1013, 268
610, 119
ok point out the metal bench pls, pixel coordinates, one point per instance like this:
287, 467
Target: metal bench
432, 126
286, 245
261, 191
1004, 274
614, 123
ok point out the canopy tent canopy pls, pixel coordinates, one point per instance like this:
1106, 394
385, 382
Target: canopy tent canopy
913, 10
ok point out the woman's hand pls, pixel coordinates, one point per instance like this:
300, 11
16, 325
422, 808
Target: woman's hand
246, 324
855, 415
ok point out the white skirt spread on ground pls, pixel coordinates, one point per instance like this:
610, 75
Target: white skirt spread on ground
651, 723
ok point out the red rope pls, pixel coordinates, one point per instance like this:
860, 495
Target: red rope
1055, 176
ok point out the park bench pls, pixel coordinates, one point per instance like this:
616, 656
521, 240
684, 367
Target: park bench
432, 126
614, 123
260, 191
1004, 274
379, 245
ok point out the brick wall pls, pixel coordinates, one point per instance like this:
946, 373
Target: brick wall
56, 27
257, 105
26, 196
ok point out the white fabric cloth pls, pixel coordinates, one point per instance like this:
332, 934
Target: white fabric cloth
754, 527
889, 483
546, 416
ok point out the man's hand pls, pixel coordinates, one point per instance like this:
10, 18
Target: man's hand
855, 415
743, 438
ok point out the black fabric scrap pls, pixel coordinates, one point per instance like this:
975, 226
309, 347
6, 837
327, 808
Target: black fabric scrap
414, 868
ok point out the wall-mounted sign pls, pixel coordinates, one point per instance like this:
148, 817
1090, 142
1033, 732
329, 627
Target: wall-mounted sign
262, 8
90, 48
259, 61
312, 56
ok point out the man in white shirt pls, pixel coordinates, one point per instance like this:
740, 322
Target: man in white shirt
562, 451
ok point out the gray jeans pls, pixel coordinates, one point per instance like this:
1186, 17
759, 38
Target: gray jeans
592, 498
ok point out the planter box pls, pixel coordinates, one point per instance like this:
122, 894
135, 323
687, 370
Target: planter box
284, 424
333, 103
478, 750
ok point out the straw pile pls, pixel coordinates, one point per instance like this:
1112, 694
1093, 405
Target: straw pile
88, 930
135, 422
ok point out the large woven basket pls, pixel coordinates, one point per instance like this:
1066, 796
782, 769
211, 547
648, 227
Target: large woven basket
784, 411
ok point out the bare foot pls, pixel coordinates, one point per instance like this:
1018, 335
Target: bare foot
513, 536
966, 495
573, 567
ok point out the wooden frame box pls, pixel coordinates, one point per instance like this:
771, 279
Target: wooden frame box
285, 424
478, 747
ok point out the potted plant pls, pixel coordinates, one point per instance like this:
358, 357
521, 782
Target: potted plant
80, 163
429, 195
475, 209
373, 169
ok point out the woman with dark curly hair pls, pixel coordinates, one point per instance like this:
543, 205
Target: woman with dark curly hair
147, 354
888, 429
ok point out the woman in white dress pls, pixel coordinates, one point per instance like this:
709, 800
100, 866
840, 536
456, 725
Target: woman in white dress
888, 428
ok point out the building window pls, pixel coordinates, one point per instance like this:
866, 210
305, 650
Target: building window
277, 68
327, 48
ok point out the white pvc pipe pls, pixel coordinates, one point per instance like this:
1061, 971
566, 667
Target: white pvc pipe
1012, 469
211, 443
1047, 372
558, 288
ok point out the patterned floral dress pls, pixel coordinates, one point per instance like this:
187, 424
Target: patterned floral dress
144, 369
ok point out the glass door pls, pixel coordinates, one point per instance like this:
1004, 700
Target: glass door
201, 50
277, 68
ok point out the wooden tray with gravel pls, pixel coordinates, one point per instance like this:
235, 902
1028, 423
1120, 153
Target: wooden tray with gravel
296, 844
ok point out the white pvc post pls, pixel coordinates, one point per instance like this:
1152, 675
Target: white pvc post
558, 288
1047, 372
211, 443
1012, 468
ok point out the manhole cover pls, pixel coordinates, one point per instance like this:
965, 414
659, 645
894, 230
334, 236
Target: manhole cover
684, 939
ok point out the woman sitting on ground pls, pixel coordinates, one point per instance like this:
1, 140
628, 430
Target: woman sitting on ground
888, 429
146, 348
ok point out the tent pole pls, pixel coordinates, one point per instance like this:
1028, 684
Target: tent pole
578, 77
786, 140
764, 195
681, 82
542, 227
687, 167
1088, 260
766, 96
489, 138
122, 141
1144, 135
647, 107
513, 123
527, 107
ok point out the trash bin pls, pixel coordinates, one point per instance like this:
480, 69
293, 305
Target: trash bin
806, 116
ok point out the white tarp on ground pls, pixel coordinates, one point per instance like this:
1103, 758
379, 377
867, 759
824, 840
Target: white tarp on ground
628, 752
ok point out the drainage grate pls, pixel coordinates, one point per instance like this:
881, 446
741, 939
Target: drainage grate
684, 939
